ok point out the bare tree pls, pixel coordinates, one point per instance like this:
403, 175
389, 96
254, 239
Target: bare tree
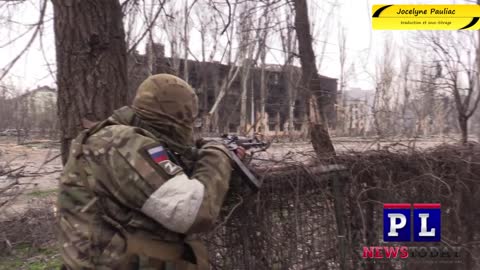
384, 76
186, 36
346, 72
246, 50
310, 79
233, 72
6, 106
289, 47
260, 121
172, 27
406, 67
457, 72
35, 29
22, 124
252, 40
208, 27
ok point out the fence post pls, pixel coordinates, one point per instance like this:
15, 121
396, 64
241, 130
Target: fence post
339, 180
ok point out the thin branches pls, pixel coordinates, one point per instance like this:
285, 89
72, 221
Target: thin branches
36, 31
229, 17
150, 24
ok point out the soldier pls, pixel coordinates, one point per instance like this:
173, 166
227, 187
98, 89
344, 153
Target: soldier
129, 198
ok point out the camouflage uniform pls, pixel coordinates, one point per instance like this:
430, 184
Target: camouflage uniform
125, 202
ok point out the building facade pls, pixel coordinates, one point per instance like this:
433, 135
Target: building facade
270, 97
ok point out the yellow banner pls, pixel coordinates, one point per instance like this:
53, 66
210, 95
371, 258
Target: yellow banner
426, 17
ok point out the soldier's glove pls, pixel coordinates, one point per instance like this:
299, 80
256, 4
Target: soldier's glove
240, 152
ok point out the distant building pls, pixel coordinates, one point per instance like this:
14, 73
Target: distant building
354, 112
282, 97
420, 116
39, 100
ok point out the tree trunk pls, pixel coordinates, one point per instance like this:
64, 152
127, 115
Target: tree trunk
252, 128
311, 80
243, 96
463, 122
263, 93
291, 104
185, 43
91, 63
277, 125
227, 83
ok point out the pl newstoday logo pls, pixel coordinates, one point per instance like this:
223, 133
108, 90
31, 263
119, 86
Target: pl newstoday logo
397, 220
401, 223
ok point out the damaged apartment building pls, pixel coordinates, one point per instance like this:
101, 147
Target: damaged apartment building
239, 99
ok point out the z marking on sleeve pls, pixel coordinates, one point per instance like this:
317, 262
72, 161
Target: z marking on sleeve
170, 167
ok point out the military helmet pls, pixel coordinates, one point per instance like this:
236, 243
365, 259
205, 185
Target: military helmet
169, 96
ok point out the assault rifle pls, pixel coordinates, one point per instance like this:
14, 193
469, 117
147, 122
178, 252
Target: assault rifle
232, 142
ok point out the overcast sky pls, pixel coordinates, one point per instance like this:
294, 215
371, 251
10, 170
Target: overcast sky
364, 45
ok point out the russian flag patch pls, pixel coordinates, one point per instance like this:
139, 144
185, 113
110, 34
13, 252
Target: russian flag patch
158, 154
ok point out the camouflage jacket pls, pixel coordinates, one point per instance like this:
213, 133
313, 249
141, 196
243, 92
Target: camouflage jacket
119, 180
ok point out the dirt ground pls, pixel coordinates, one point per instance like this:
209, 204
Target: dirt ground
31, 172
37, 166
34, 169
299, 151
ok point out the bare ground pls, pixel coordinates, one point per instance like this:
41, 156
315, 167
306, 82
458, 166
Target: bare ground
35, 167
29, 176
